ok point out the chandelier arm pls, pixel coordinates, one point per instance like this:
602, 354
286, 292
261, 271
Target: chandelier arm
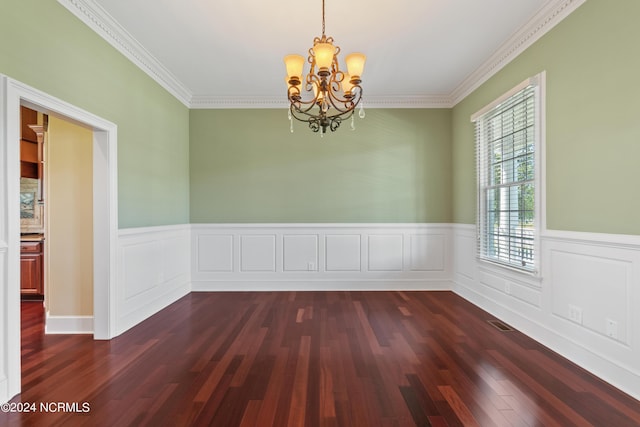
335, 94
295, 114
304, 106
312, 80
295, 99
347, 104
314, 122
302, 116
336, 78
308, 106
295, 95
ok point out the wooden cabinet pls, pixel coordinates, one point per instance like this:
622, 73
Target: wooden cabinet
31, 268
28, 117
30, 145
28, 159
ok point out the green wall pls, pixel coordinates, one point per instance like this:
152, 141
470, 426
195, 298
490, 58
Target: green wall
592, 120
407, 165
247, 167
45, 46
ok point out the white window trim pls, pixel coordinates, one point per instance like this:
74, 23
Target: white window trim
540, 220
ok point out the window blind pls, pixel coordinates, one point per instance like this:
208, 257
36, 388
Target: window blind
505, 154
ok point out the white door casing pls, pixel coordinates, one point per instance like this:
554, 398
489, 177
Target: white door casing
105, 227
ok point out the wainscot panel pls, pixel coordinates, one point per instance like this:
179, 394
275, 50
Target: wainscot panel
154, 271
582, 305
321, 257
5, 394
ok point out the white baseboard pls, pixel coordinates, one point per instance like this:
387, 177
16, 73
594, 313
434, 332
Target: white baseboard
68, 324
151, 307
320, 285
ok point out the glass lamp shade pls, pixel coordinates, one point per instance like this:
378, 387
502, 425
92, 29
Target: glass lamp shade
355, 64
346, 84
294, 64
324, 53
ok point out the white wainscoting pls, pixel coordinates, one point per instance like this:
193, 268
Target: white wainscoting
239, 257
5, 392
585, 304
153, 271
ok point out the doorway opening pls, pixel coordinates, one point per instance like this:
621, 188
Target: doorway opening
56, 221
13, 94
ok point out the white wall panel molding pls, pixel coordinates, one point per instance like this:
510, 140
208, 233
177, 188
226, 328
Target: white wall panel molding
258, 253
321, 256
5, 392
386, 252
584, 305
216, 253
343, 252
154, 271
300, 252
427, 252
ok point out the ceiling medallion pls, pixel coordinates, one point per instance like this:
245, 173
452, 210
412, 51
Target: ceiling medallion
327, 96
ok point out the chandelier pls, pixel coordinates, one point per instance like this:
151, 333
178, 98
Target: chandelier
328, 95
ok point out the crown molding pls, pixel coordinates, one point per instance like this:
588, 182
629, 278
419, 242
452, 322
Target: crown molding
96, 18
221, 102
550, 15
408, 101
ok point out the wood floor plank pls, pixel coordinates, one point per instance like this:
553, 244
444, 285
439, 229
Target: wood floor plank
458, 406
325, 359
274, 388
250, 418
300, 384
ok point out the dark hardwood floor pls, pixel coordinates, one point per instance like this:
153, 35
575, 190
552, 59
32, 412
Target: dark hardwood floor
310, 359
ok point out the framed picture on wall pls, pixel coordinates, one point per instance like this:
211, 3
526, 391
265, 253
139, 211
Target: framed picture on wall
31, 213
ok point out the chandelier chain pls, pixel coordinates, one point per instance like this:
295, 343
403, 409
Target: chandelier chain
323, 17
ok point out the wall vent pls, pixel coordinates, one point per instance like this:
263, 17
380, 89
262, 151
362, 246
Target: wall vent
500, 325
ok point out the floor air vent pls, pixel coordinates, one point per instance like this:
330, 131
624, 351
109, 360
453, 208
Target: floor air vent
499, 325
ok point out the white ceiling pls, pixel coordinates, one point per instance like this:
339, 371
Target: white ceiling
212, 53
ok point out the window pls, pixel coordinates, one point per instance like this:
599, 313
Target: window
507, 145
